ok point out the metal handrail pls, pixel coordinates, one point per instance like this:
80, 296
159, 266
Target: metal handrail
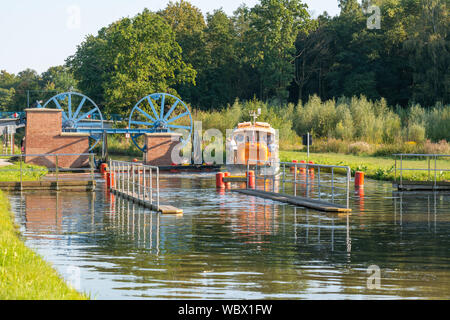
140, 187
56, 169
306, 166
428, 157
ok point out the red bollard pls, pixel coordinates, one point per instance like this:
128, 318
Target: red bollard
251, 179
359, 179
302, 169
103, 168
292, 169
227, 184
219, 180
109, 180
311, 170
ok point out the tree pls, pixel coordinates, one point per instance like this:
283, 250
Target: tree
273, 30
58, 78
129, 59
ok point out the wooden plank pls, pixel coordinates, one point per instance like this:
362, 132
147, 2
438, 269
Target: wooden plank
296, 200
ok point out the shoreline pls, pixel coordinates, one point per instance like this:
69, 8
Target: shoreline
24, 274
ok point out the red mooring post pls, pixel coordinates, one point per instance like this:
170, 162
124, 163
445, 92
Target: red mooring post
227, 184
292, 169
302, 169
110, 179
359, 179
311, 170
251, 179
219, 180
103, 168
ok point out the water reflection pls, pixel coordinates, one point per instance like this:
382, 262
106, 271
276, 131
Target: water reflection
228, 245
133, 223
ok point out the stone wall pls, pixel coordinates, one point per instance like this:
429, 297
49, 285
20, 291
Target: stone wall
43, 135
160, 147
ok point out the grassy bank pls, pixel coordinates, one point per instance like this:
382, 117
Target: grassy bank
379, 168
23, 274
29, 172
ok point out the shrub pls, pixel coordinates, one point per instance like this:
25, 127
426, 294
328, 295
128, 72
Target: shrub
360, 147
416, 132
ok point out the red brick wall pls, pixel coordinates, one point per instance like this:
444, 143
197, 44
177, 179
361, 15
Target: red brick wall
159, 148
43, 135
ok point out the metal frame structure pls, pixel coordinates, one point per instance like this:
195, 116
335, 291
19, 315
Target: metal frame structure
75, 119
136, 180
56, 169
159, 121
429, 158
286, 178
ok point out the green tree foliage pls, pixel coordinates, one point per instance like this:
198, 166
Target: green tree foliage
129, 59
273, 28
405, 61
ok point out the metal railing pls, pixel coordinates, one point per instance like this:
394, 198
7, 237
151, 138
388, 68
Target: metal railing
286, 175
23, 169
428, 157
136, 180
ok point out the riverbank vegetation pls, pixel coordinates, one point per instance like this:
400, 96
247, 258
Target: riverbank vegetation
23, 274
378, 168
30, 172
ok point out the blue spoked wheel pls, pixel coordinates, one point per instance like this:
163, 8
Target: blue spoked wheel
78, 112
160, 112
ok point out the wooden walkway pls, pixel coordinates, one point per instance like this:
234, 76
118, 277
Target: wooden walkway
164, 209
422, 186
296, 200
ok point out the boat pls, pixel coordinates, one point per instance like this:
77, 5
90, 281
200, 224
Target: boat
253, 144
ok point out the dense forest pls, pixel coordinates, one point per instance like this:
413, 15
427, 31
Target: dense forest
274, 52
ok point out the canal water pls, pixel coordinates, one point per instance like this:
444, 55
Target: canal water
232, 246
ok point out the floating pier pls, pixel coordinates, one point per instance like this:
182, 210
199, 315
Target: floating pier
296, 200
422, 185
138, 183
164, 209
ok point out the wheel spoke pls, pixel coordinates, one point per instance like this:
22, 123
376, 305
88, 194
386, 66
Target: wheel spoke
178, 117
59, 107
79, 108
153, 108
162, 106
145, 113
69, 105
171, 110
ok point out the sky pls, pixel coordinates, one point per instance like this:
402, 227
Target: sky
40, 34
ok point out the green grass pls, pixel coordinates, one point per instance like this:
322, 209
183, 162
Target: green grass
379, 168
29, 172
23, 274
